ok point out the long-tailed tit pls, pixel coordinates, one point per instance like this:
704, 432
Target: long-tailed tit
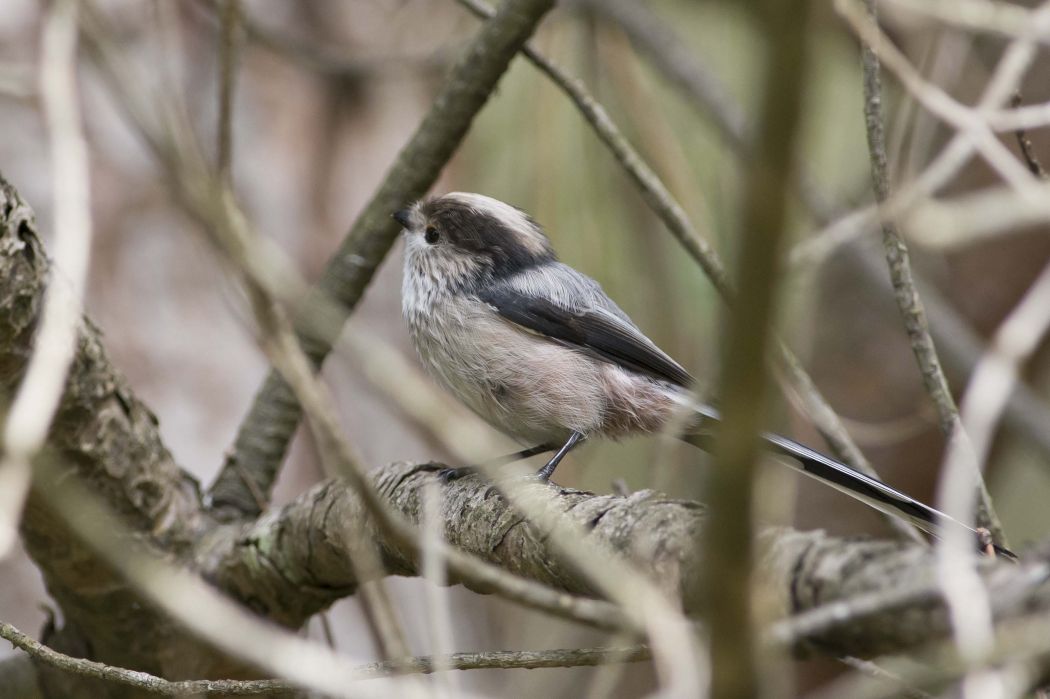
538, 350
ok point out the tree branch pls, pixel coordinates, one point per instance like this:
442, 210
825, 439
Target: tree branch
425, 664
910, 305
850, 596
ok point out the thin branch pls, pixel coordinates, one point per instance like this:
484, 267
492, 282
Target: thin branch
336, 62
1016, 339
424, 664
37, 400
267, 430
1005, 19
906, 295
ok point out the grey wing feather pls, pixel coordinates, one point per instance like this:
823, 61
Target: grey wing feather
558, 302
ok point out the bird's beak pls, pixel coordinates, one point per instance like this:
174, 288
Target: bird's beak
402, 217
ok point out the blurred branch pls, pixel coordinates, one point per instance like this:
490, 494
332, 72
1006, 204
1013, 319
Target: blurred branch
673, 58
267, 430
334, 61
37, 398
1007, 19
728, 544
910, 305
1021, 651
382, 621
951, 159
16, 81
228, 50
426, 664
965, 121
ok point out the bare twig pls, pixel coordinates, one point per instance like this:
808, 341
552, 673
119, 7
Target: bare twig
34, 406
910, 305
426, 664
728, 539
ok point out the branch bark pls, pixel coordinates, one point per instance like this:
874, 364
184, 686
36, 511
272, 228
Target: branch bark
849, 596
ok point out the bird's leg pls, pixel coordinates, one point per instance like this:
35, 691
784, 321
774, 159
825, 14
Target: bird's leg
545, 473
451, 474
523, 454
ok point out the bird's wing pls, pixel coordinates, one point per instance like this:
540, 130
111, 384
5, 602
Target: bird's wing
593, 325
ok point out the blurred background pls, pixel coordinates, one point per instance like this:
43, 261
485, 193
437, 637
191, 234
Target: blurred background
328, 91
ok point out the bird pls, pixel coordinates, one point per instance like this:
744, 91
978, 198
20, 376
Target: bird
538, 350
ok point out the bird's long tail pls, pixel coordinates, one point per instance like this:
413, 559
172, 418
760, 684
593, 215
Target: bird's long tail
868, 490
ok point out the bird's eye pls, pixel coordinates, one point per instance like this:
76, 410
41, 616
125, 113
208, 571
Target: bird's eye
431, 235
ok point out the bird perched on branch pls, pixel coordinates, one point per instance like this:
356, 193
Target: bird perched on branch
539, 351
